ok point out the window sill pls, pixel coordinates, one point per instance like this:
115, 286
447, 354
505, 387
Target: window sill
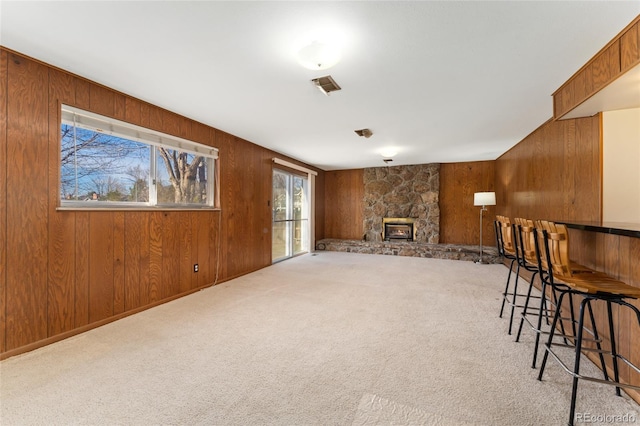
137, 209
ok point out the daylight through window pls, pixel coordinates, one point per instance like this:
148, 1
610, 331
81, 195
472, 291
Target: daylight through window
106, 162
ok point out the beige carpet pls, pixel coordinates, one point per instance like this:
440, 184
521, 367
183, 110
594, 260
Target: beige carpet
327, 339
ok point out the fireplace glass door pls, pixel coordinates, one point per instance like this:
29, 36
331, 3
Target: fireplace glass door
290, 234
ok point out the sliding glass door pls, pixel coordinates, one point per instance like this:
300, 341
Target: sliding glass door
290, 234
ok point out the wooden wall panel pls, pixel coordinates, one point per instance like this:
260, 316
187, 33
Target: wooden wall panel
65, 271
459, 218
320, 210
553, 174
344, 209
617, 57
61, 270
101, 246
630, 48
118, 263
27, 201
185, 238
132, 255
3, 198
170, 255
82, 251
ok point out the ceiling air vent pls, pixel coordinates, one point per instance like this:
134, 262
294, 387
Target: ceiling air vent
326, 84
364, 133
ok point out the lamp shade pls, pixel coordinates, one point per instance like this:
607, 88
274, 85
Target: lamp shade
484, 199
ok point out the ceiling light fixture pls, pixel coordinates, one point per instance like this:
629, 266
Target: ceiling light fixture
318, 56
388, 152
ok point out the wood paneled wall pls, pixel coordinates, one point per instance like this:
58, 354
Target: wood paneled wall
554, 173
459, 218
63, 272
621, 54
344, 195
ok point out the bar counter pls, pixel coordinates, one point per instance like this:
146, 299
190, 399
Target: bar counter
615, 228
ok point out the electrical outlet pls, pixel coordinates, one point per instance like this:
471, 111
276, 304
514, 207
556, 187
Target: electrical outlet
195, 267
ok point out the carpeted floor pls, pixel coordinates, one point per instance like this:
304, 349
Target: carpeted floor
327, 339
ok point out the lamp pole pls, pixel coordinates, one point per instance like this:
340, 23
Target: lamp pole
483, 199
483, 209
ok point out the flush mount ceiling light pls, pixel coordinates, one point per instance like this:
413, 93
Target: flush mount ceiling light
388, 152
364, 133
318, 55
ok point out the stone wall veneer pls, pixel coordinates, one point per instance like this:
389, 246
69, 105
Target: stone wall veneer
403, 191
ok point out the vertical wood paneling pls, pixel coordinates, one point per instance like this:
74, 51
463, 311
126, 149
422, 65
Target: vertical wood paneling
185, 270
630, 329
618, 56
144, 265
120, 111
344, 203
565, 184
170, 255
118, 263
133, 111
203, 237
83, 96
553, 174
629, 48
101, 100
101, 249
155, 257
27, 202
61, 270
82, 269
3, 198
132, 252
459, 218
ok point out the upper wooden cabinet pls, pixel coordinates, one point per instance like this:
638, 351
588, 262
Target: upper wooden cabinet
620, 55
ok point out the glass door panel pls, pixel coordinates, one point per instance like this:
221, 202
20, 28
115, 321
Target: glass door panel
290, 234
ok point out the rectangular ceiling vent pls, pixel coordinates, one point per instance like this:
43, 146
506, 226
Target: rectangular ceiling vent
326, 84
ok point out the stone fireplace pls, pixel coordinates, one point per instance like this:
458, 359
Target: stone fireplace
405, 192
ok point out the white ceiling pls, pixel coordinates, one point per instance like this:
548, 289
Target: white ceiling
439, 81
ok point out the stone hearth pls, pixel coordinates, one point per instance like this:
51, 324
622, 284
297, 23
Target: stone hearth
406, 248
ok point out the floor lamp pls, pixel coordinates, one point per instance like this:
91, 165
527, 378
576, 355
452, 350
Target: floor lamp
483, 199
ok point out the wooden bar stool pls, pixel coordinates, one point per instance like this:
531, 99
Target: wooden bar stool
591, 286
527, 258
507, 249
532, 238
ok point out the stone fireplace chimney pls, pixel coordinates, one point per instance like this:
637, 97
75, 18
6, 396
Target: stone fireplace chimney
403, 192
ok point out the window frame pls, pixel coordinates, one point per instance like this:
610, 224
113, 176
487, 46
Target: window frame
153, 139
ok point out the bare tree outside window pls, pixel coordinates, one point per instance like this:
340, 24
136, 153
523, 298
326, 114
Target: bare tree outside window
111, 168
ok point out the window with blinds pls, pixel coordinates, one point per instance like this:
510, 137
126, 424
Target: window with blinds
110, 163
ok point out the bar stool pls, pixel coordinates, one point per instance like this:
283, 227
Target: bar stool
507, 249
590, 286
530, 236
527, 258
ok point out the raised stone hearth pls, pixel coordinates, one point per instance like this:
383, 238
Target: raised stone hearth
405, 248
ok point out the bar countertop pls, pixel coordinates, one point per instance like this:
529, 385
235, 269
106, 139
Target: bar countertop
617, 228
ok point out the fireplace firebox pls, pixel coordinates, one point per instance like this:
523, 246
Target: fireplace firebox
398, 228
